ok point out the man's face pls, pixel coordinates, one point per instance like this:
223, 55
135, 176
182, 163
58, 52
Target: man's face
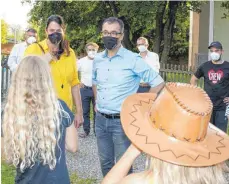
29, 34
219, 51
141, 42
113, 30
91, 48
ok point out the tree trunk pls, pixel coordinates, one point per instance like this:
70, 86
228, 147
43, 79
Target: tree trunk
168, 30
126, 40
159, 26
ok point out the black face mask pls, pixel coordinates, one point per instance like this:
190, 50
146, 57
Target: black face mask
110, 42
55, 38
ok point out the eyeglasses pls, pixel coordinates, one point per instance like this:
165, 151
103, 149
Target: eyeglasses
113, 33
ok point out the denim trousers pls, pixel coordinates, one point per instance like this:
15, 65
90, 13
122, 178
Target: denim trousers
87, 97
111, 141
219, 119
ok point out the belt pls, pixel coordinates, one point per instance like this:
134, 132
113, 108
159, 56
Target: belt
144, 85
87, 87
110, 116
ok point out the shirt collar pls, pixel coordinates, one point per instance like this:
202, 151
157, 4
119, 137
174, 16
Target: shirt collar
119, 53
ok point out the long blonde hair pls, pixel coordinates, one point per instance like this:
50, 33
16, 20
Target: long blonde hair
31, 124
165, 173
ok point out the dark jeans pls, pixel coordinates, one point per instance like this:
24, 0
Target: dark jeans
143, 89
219, 119
111, 141
87, 98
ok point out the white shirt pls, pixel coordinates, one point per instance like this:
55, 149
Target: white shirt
16, 55
152, 59
85, 66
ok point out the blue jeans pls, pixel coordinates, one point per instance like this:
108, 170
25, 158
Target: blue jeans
143, 89
219, 119
111, 141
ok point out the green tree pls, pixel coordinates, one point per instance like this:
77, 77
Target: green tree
164, 23
4, 28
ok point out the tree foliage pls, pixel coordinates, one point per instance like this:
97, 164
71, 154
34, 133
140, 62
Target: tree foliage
4, 28
164, 23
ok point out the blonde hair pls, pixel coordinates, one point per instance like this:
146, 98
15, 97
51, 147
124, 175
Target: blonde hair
31, 124
91, 44
145, 40
165, 173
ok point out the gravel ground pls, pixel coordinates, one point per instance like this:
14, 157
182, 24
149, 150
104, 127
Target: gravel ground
86, 161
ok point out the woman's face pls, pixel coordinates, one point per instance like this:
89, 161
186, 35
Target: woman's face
52, 28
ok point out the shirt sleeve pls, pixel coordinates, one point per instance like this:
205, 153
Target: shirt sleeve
157, 64
75, 77
145, 72
227, 111
199, 72
79, 64
12, 60
94, 73
33, 49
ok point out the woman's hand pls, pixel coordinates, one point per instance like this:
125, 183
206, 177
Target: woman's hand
78, 120
226, 100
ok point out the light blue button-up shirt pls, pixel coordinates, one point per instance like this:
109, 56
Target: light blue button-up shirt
118, 77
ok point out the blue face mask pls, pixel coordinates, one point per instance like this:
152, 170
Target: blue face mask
215, 56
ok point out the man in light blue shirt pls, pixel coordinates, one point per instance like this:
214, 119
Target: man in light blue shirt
116, 75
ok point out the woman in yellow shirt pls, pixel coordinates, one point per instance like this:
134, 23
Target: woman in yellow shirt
174, 130
62, 62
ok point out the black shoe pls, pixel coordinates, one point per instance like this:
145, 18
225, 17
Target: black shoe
83, 135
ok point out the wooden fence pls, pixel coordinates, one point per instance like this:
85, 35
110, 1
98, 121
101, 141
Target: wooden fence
169, 72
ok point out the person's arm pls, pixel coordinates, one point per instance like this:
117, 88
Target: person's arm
122, 167
94, 83
71, 139
193, 80
76, 93
157, 63
77, 100
12, 60
148, 75
157, 88
198, 74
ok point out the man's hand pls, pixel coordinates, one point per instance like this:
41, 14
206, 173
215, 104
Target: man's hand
226, 100
81, 85
78, 120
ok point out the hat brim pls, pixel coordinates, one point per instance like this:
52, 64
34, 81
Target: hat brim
142, 132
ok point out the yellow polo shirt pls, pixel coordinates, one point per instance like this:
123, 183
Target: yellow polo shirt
64, 71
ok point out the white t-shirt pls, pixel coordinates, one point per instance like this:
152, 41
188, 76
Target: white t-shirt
152, 59
85, 66
16, 55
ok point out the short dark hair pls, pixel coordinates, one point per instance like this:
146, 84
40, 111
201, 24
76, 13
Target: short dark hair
31, 30
112, 20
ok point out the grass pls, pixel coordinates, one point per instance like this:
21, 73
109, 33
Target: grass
9, 173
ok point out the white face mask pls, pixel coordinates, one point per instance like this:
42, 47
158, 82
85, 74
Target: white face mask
142, 48
215, 56
91, 54
31, 40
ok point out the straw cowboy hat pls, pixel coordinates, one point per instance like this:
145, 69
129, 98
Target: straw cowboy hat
175, 127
